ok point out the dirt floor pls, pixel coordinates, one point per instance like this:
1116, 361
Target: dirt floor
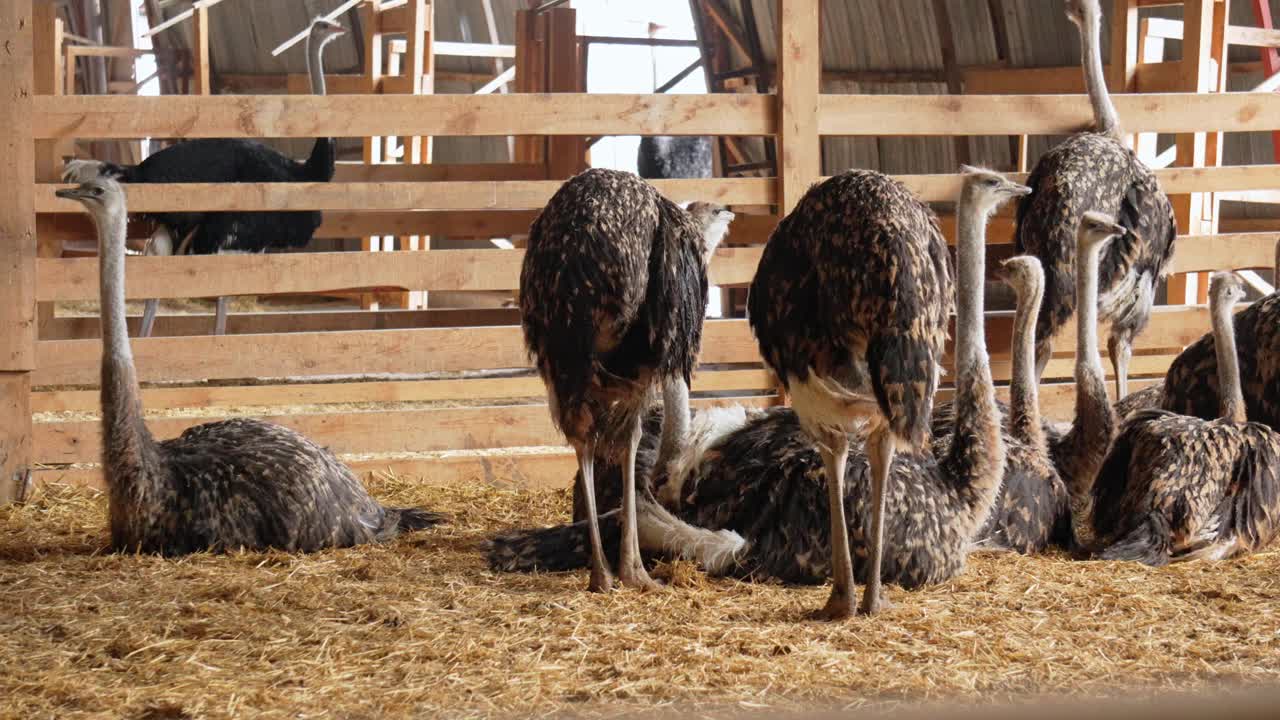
420, 627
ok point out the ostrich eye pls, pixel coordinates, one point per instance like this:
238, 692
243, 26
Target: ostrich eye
97, 191
992, 182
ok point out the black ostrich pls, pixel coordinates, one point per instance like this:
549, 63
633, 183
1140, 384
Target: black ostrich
1177, 487
237, 483
1095, 171
679, 156
613, 292
221, 160
750, 496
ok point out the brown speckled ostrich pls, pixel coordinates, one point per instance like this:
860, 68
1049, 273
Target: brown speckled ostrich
613, 292
758, 476
1191, 385
1095, 171
238, 483
1178, 487
849, 306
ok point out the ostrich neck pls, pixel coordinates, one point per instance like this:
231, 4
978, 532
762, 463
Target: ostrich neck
124, 433
975, 462
315, 66
1024, 398
1229, 389
1087, 310
1105, 118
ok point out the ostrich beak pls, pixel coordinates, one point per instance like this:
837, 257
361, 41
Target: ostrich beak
74, 193
1019, 190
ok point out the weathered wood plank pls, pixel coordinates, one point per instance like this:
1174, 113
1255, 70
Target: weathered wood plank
799, 75
123, 117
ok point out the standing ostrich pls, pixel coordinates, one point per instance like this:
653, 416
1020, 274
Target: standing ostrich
849, 306
1178, 487
757, 476
1191, 385
1095, 171
237, 483
613, 292
220, 160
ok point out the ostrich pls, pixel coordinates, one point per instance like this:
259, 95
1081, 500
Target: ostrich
1178, 487
219, 160
1191, 385
1096, 171
613, 292
237, 483
753, 500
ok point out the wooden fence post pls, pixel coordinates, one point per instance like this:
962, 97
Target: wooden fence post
17, 245
799, 72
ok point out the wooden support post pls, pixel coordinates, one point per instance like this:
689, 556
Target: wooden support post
17, 245
566, 154
955, 82
1123, 68
47, 38
530, 77
200, 52
799, 72
371, 20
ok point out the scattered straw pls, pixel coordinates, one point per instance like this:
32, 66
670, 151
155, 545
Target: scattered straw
421, 627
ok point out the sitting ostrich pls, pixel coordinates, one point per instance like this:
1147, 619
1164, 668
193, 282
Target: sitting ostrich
755, 476
1095, 171
1191, 385
237, 483
613, 292
1178, 487
220, 160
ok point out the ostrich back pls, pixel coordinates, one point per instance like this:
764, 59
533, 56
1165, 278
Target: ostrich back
1092, 172
678, 156
244, 483
223, 160
765, 481
855, 286
1173, 484
613, 292
1191, 384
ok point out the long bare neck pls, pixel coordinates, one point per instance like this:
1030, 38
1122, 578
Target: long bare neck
125, 436
975, 460
1224, 341
1024, 394
1106, 120
315, 65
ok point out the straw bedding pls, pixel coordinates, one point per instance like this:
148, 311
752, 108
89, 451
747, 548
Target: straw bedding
421, 627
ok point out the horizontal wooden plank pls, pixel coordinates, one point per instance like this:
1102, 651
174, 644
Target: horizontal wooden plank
391, 431
1195, 253
449, 223
265, 323
453, 195
337, 393
1174, 181
109, 117
213, 275
1042, 114
437, 172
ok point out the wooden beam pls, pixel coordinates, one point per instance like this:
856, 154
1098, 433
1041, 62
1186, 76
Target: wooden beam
479, 195
360, 172
200, 52
799, 102
225, 275
125, 117
566, 155
728, 24
955, 82
18, 356
1238, 251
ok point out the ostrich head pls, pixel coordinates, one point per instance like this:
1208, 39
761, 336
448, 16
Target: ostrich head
1024, 274
714, 221
1097, 229
1083, 12
323, 30
1225, 289
101, 196
987, 189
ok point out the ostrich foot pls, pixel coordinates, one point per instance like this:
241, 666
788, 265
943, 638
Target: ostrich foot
874, 604
601, 580
839, 606
633, 575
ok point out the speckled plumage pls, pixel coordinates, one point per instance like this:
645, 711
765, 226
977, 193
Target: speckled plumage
613, 291
855, 286
1144, 399
238, 483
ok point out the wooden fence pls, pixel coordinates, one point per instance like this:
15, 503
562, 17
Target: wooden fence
51, 371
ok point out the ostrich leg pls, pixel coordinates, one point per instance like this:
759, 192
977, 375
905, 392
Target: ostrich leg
148, 318
630, 568
1120, 349
601, 578
835, 453
880, 448
220, 316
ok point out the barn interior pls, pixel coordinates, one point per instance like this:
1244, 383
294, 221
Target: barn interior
393, 338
